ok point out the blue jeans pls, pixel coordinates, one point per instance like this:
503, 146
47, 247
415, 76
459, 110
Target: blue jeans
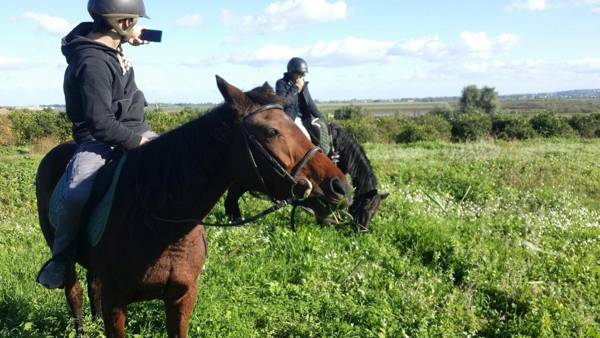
89, 157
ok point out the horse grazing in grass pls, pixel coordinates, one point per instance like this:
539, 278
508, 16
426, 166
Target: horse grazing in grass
353, 161
181, 175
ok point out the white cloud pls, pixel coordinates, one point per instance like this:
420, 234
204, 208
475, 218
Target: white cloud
530, 5
544, 5
356, 51
477, 44
11, 63
51, 24
531, 67
425, 47
336, 53
189, 21
279, 16
508, 41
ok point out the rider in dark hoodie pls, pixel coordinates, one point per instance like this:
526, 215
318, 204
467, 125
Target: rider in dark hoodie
106, 109
300, 105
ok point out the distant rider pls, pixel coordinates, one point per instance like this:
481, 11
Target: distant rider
106, 109
300, 105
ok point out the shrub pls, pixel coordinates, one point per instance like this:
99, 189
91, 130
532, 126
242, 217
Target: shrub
417, 133
471, 126
509, 127
388, 127
364, 129
445, 112
550, 124
160, 121
7, 136
30, 126
441, 127
349, 112
586, 125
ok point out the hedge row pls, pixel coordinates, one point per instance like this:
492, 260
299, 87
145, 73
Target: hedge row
457, 127
27, 127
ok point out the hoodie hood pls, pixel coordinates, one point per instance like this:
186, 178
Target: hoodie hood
77, 41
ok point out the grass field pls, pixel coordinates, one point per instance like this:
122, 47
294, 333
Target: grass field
480, 239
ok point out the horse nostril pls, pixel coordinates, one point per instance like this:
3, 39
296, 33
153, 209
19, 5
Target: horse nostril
337, 186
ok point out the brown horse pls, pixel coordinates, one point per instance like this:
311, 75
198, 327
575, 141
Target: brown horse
182, 175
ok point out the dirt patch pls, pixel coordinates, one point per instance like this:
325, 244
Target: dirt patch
4, 111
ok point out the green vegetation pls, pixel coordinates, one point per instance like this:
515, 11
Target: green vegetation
477, 239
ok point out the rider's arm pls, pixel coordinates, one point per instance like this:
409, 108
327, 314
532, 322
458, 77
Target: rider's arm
96, 97
283, 89
310, 104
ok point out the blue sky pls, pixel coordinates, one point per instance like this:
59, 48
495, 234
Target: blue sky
355, 48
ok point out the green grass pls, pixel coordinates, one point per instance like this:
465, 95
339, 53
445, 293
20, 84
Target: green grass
479, 239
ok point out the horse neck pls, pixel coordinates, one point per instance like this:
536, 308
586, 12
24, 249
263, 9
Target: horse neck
183, 173
354, 161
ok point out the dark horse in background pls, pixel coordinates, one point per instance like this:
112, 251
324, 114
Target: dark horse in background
181, 175
353, 161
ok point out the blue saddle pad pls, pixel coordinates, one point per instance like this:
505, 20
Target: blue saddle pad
99, 213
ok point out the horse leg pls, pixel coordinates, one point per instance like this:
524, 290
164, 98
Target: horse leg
74, 294
179, 303
232, 206
113, 314
93, 288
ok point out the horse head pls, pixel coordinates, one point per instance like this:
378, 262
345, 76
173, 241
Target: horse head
365, 206
271, 154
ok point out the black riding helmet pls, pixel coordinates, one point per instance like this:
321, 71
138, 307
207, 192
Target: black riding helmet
107, 13
297, 65
117, 8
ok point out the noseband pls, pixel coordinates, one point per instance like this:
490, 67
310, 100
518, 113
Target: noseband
252, 144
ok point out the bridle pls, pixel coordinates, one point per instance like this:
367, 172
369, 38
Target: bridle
253, 144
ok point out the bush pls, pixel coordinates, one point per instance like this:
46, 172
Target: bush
30, 126
586, 125
471, 126
551, 125
417, 133
349, 112
160, 121
444, 112
388, 127
441, 126
364, 129
7, 135
509, 127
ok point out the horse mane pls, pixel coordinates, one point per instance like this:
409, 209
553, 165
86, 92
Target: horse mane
353, 160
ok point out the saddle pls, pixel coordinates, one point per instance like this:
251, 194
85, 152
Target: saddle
96, 211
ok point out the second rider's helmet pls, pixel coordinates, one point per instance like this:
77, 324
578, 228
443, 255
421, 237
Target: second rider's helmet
297, 65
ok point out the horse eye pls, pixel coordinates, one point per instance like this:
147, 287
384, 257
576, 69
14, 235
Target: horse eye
272, 133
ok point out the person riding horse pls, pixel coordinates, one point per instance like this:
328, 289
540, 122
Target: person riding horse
106, 109
301, 107
339, 145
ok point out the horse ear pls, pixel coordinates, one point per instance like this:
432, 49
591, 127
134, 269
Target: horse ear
266, 87
232, 95
384, 195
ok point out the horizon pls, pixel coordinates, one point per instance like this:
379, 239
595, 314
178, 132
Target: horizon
354, 51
